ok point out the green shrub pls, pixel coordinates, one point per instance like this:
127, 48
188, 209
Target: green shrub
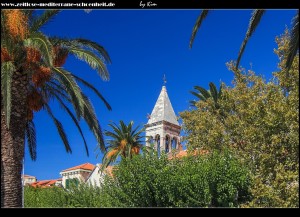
214, 180
202, 181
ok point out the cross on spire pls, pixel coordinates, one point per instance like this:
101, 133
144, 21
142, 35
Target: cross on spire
165, 79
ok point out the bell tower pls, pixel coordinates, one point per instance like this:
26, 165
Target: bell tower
162, 128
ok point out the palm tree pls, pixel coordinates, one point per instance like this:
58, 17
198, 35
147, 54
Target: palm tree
124, 141
203, 94
32, 75
254, 21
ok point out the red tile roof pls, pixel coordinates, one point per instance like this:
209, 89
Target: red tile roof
86, 166
44, 183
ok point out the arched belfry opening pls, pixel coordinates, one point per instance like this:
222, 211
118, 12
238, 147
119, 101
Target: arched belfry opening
162, 126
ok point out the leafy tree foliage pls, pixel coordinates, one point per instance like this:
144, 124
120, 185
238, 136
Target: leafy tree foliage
74, 196
214, 180
259, 122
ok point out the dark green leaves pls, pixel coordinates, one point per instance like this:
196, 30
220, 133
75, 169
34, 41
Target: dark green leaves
30, 135
7, 70
254, 21
196, 27
294, 43
41, 20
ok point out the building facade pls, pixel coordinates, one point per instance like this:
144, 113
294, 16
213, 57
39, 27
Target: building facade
28, 180
76, 174
96, 177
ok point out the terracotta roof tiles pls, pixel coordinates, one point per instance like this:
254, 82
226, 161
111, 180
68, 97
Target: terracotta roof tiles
86, 166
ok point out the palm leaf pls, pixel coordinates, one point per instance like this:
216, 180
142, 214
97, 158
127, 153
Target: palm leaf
115, 128
30, 135
192, 102
123, 127
220, 91
60, 129
41, 20
92, 121
7, 70
81, 43
213, 91
94, 89
55, 89
254, 21
92, 60
41, 42
294, 43
94, 46
196, 27
66, 79
75, 122
204, 92
199, 96
112, 134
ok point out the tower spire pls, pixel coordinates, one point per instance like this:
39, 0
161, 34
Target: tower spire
162, 128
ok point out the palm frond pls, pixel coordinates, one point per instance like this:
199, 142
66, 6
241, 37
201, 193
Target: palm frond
115, 128
7, 70
213, 91
220, 91
30, 135
92, 60
192, 102
196, 27
199, 96
92, 121
41, 42
60, 129
66, 79
53, 88
123, 127
254, 21
75, 122
204, 92
294, 43
41, 20
94, 46
81, 43
112, 135
94, 89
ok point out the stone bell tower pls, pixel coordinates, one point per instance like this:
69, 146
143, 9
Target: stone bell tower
162, 128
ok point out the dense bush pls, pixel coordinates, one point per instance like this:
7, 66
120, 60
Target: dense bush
202, 181
75, 196
148, 181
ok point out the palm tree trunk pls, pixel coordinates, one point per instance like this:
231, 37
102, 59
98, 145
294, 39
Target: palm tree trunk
12, 144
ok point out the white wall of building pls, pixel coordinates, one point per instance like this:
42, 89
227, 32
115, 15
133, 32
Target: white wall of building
96, 177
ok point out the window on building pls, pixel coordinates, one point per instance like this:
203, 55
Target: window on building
174, 143
151, 141
72, 182
157, 140
167, 143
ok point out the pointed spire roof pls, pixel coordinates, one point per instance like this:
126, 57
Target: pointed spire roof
163, 110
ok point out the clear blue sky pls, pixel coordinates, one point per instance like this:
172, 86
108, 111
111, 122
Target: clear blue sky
143, 45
